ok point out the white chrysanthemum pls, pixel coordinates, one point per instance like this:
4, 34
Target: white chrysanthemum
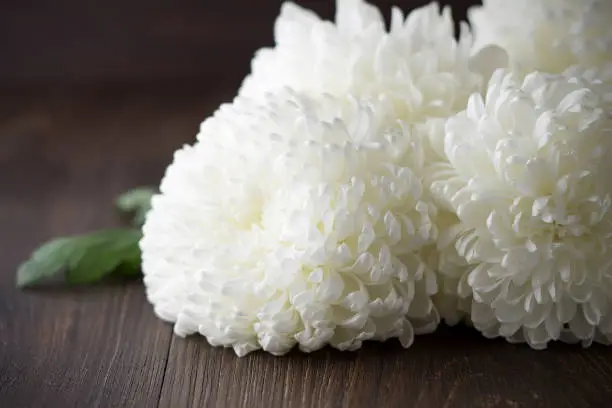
451, 267
418, 64
293, 221
528, 175
547, 35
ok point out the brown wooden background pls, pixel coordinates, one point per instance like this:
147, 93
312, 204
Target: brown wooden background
207, 41
94, 97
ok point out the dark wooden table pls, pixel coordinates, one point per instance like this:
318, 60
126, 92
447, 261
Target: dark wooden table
64, 155
67, 151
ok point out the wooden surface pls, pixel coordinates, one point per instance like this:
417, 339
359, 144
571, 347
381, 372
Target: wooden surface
65, 155
124, 40
69, 145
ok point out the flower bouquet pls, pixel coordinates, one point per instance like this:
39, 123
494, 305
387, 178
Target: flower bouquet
369, 182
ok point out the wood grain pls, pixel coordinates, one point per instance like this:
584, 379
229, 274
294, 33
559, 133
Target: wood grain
452, 368
65, 155
125, 40
69, 145
64, 158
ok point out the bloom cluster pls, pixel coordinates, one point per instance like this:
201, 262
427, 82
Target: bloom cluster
369, 182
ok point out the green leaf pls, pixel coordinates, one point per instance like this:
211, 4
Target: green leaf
136, 202
85, 258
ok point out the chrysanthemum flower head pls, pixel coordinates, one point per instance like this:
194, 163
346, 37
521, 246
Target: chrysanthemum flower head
450, 266
417, 64
528, 175
294, 221
547, 35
